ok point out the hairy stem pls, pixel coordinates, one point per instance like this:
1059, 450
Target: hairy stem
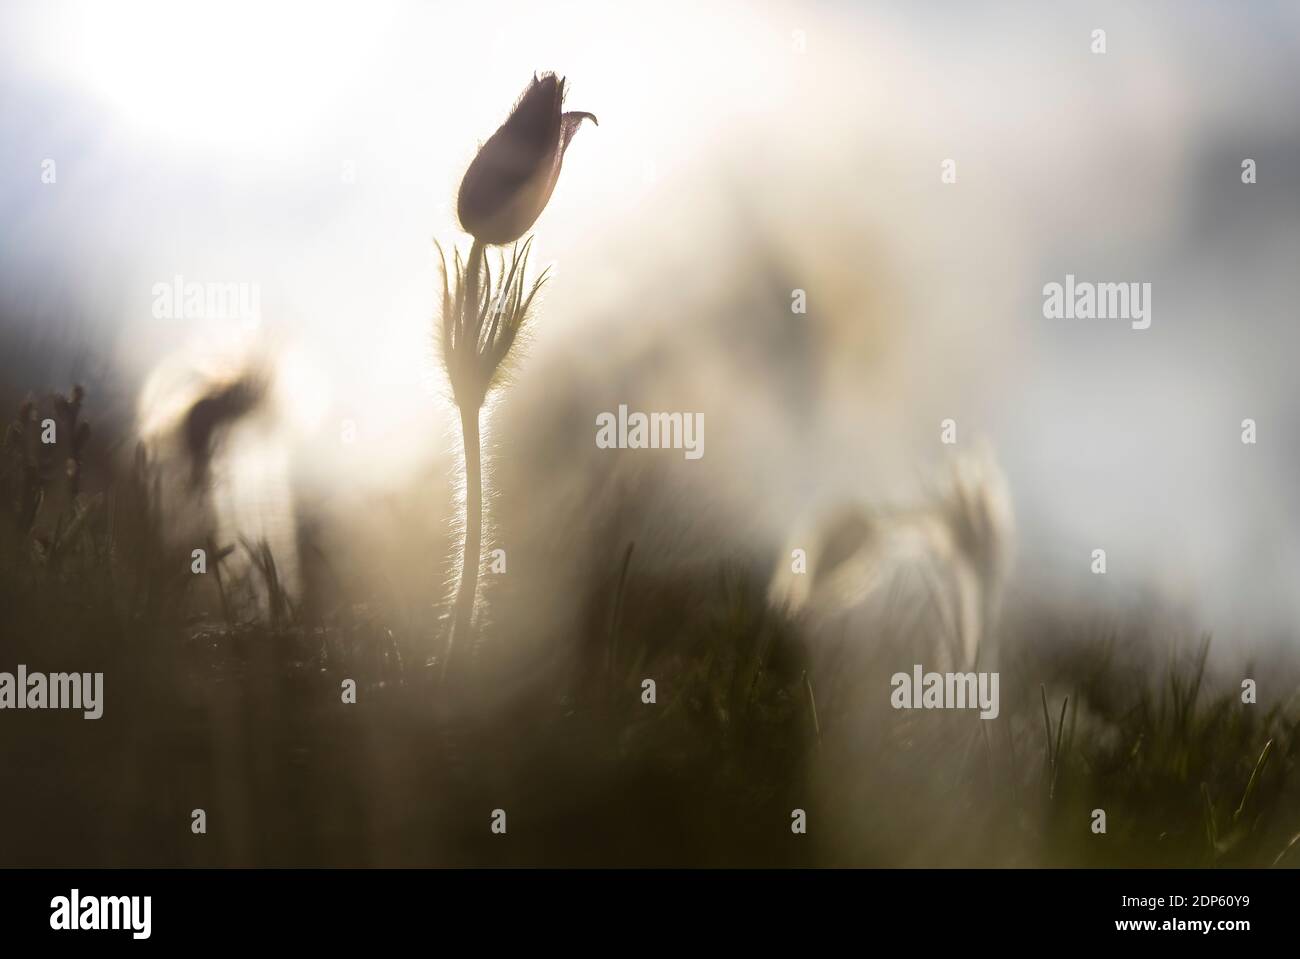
461, 631
464, 372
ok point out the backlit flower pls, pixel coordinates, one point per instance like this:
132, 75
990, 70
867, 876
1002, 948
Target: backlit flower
511, 179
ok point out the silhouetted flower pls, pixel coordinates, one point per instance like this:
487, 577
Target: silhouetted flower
219, 408
511, 179
502, 194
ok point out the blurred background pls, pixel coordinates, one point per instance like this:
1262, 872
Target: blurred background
745, 151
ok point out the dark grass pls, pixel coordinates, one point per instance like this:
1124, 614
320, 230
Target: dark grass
234, 706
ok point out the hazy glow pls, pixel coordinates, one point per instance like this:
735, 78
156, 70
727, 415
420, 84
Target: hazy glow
302, 389
315, 150
235, 73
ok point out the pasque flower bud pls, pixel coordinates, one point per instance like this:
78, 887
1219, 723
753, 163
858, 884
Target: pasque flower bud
510, 181
504, 191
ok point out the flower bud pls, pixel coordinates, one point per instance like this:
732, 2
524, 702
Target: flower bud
511, 179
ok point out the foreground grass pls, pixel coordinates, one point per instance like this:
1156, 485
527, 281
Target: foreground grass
218, 703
